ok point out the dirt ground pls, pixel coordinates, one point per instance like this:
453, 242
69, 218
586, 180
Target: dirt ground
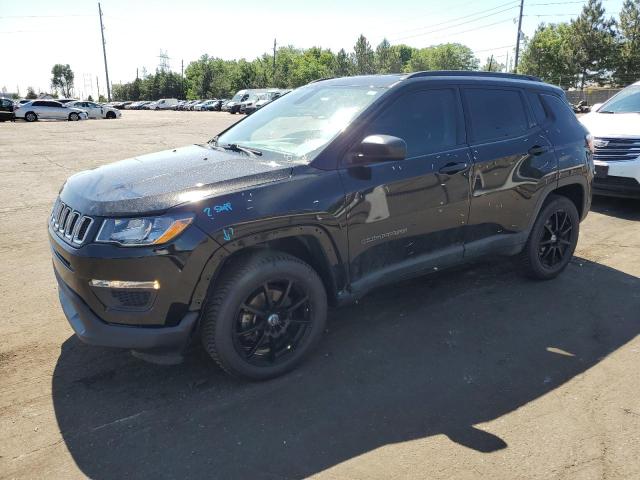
472, 373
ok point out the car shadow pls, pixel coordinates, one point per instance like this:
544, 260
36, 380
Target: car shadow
624, 208
435, 355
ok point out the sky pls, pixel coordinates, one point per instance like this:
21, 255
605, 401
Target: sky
36, 34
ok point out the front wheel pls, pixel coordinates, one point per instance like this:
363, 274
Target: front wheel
30, 117
552, 240
74, 117
265, 314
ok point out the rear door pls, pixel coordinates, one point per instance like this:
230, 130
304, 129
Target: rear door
408, 216
57, 110
513, 162
41, 109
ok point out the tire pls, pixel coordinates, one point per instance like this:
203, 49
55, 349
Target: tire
273, 338
551, 244
30, 117
111, 115
74, 117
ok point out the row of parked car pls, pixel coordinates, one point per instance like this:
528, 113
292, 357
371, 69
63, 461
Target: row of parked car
244, 101
50, 109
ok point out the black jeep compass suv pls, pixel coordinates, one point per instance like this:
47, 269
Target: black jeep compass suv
339, 187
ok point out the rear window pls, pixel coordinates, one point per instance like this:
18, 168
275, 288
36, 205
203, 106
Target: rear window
495, 113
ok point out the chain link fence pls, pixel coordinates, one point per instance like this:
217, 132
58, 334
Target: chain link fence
591, 95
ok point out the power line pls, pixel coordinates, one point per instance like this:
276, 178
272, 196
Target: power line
453, 26
455, 19
462, 31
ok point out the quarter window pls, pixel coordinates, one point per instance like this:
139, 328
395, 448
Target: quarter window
425, 120
495, 113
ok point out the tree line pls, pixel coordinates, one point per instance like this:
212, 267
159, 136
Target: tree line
590, 49
210, 77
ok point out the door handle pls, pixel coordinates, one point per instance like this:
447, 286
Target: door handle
453, 167
538, 150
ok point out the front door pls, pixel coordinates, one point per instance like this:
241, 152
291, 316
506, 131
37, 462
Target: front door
407, 217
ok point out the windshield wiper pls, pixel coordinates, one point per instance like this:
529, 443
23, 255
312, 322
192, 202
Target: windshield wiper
234, 147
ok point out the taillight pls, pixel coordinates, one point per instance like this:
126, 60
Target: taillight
588, 140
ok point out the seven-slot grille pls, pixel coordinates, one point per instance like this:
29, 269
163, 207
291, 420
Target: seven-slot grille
70, 224
614, 149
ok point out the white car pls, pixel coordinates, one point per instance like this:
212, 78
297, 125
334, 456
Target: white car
48, 109
163, 104
615, 126
95, 110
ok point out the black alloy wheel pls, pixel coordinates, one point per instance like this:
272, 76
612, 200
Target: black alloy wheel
552, 240
555, 242
272, 322
265, 313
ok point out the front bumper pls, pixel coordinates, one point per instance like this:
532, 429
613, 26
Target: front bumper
622, 179
92, 330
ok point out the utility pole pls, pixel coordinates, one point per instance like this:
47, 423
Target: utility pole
515, 64
491, 62
506, 67
104, 53
182, 79
98, 85
274, 59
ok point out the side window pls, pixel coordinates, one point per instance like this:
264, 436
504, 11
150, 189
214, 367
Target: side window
39, 104
495, 113
563, 117
538, 109
425, 120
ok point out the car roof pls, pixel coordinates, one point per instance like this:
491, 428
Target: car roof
389, 80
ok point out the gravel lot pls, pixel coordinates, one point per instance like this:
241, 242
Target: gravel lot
470, 373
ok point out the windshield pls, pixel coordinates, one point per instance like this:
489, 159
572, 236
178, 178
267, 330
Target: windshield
300, 124
237, 97
627, 101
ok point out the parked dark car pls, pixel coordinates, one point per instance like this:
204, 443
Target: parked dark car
214, 106
6, 110
339, 187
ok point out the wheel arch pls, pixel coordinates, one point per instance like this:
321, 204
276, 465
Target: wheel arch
308, 243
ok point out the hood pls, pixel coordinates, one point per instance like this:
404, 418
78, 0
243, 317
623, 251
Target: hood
158, 181
612, 124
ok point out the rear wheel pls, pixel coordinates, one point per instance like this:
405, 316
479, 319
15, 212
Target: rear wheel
552, 240
265, 313
74, 117
111, 115
30, 117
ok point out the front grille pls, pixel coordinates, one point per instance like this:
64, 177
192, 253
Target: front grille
617, 181
615, 149
70, 224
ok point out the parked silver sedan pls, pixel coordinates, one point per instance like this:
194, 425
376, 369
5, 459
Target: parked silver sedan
95, 110
49, 109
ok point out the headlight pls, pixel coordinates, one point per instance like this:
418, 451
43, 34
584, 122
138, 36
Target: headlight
131, 232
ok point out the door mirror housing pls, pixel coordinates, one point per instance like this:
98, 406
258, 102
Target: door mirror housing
380, 148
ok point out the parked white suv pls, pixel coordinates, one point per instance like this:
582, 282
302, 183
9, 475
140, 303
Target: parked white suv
615, 126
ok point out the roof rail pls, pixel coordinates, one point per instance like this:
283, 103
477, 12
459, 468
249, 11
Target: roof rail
470, 73
320, 80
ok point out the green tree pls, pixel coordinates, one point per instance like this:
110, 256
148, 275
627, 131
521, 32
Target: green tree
628, 58
344, 65
102, 99
363, 56
446, 56
593, 42
90, 98
549, 55
387, 59
31, 93
62, 79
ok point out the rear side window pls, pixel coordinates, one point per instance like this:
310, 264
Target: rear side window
538, 109
39, 104
563, 116
495, 113
425, 120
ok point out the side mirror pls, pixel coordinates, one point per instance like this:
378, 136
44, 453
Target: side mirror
380, 148
596, 106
